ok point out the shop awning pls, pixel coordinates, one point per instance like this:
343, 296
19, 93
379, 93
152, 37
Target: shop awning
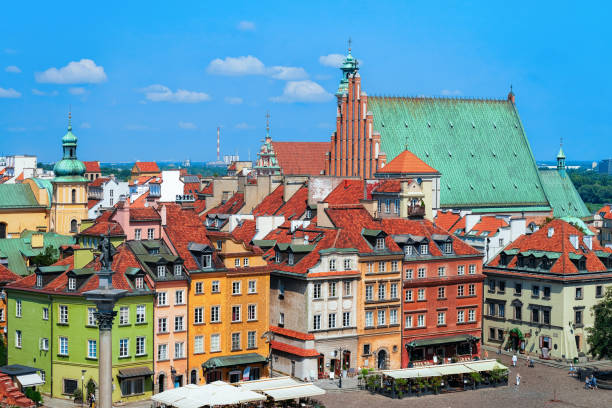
267, 383
30, 380
215, 394
132, 372
413, 373
453, 369
442, 340
294, 392
485, 365
229, 361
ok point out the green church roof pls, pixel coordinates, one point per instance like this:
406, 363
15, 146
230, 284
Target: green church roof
17, 196
14, 248
562, 195
479, 146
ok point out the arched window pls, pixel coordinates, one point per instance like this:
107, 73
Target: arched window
2, 229
73, 226
74, 195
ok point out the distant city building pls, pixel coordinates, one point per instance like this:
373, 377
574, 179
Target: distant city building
17, 167
92, 170
142, 169
603, 220
605, 166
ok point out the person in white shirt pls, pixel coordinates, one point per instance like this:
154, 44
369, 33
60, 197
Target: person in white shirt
514, 360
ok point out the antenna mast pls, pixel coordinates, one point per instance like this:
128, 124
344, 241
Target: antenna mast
218, 143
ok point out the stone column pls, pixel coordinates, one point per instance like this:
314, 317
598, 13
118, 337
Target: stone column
105, 353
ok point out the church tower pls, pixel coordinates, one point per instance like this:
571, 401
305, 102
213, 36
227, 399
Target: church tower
561, 159
267, 163
69, 205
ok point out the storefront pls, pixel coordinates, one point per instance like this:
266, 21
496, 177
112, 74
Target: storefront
250, 366
441, 349
134, 380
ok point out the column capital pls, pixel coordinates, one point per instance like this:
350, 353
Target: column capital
105, 319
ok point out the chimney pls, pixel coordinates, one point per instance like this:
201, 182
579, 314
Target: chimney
470, 221
517, 228
162, 214
38, 240
371, 206
574, 240
322, 218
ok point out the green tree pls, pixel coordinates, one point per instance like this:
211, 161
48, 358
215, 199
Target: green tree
600, 335
3, 352
48, 257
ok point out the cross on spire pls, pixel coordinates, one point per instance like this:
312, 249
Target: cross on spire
561, 143
268, 122
69, 117
350, 41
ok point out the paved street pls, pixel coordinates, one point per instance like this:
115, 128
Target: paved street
539, 387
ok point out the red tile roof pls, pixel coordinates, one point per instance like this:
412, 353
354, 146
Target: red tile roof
245, 231
191, 188
20, 177
104, 227
488, 224
11, 396
208, 189
99, 181
231, 206
606, 210
296, 351
147, 167
6, 275
271, 203
140, 201
91, 203
350, 192
291, 333
447, 219
408, 163
388, 186
92, 166
303, 158
295, 207
144, 214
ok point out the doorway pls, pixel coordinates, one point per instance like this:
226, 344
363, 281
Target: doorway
194, 377
178, 381
577, 340
212, 376
346, 360
382, 360
293, 368
161, 382
321, 366
234, 376
2, 230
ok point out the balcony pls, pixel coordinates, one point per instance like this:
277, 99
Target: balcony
416, 211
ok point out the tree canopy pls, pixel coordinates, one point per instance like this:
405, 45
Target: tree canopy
600, 335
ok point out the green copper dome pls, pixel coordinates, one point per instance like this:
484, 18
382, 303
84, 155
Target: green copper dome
69, 168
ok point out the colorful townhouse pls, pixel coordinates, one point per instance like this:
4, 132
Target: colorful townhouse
144, 169
170, 320
540, 290
6, 277
228, 300
51, 327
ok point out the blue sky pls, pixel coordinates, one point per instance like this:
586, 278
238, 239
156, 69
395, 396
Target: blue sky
153, 80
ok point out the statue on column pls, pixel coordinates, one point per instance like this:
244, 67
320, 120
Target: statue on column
107, 252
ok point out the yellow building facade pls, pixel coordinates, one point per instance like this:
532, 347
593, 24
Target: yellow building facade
24, 206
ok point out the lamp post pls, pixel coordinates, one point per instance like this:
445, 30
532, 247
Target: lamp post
340, 351
471, 339
82, 383
105, 297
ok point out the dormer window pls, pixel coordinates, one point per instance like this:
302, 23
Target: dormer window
290, 259
178, 270
332, 264
308, 213
139, 282
448, 247
277, 257
408, 250
71, 284
380, 243
424, 249
347, 264
39, 281
161, 271
206, 261
219, 245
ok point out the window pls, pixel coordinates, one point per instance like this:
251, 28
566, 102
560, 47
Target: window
408, 321
39, 281
139, 282
491, 309
44, 344
18, 308
140, 346
70, 386
472, 315
547, 291
347, 288
347, 264
179, 349
491, 285
421, 294
491, 334
277, 257
236, 288
471, 289
178, 323
63, 346
18, 338
441, 271
598, 291
162, 352
421, 320
421, 273
441, 318
460, 290
366, 349
150, 233
237, 262
424, 248
460, 316
199, 288
461, 270
369, 292
448, 247
546, 316
198, 315
535, 315
236, 313
408, 250
396, 207
132, 386
369, 319
578, 293
502, 287
393, 316
441, 292
251, 340
332, 264
518, 288
236, 341
332, 289
290, 258
124, 315
179, 297
215, 342
198, 344
500, 334
162, 299
518, 313
381, 315
206, 261
393, 291
317, 291
281, 319
215, 287
252, 286
219, 244
137, 234
346, 319
409, 273
370, 267
408, 296
316, 322
472, 269
252, 312
380, 243
381, 291
535, 291
74, 199
394, 266
162, 325
140, 314
214, 314
63, 314
578, 316
161, 271
381, 266
501, 310
178, 270
387, 206
331, 320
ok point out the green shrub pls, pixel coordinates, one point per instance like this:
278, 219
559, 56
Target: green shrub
34, 395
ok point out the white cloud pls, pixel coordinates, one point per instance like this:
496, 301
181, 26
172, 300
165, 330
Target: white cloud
250, 65
331, 60
450, 92
243, 126
138, 128
84, 71
9, 93
77, 90
303, 91
85, 125
246, 26
161, 93
187, 125
14, 69
42, 93
233, 100
288, 73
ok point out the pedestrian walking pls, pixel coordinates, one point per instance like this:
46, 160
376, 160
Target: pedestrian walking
514, 360
518, 381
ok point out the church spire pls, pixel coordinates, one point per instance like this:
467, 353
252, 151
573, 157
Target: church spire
561, 157
349, 67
